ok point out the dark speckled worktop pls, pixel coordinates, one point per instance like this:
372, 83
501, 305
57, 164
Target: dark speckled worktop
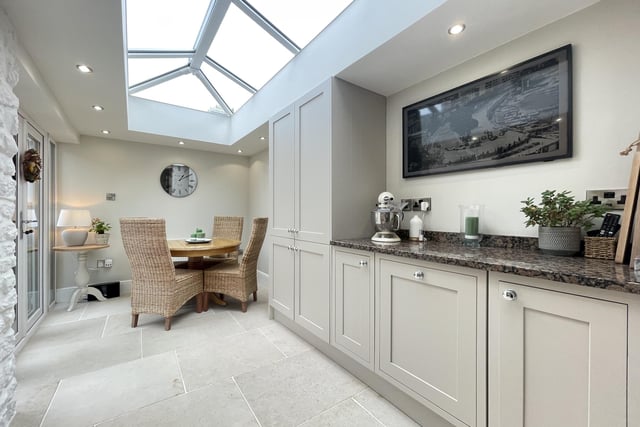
578, 270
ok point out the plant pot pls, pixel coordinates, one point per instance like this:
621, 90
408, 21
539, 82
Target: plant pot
102, 239
563, 241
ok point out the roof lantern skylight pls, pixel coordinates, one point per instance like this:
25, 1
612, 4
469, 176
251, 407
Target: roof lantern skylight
213, 55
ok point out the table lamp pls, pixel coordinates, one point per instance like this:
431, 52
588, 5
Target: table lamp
75, 218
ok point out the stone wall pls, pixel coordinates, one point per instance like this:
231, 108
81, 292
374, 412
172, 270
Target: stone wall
8, 148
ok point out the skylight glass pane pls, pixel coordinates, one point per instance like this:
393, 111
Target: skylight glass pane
233, 94
245, 49
142, 69
185, 91
300, 20
164, 24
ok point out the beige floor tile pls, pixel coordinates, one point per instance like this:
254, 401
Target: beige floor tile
384, 411
296, 389
90, 398
346, 413
219, 404
225, 357
104, 308
59, 314
287, 342
43, 365
190, 332
66, 333
32, 401
254, 318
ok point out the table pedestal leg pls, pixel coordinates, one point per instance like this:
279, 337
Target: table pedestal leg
82, 282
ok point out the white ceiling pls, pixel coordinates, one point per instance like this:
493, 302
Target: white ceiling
58, 34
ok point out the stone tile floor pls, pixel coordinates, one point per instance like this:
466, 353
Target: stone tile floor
88, 367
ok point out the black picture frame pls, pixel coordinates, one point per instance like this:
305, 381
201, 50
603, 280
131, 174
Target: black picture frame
518, 115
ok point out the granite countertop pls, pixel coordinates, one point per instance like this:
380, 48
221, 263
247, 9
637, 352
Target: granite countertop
578, 270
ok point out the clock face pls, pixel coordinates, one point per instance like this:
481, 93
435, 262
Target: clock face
178, 180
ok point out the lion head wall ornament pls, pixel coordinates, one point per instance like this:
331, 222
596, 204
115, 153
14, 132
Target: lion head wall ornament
31, 165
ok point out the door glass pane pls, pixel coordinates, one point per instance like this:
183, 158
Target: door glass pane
51, 175
31, 233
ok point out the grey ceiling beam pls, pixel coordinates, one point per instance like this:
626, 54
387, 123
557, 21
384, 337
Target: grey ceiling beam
229, 75
138, 53
205, 81
210, 26
160, 79
267, 26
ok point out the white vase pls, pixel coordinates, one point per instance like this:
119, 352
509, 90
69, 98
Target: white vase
102, 239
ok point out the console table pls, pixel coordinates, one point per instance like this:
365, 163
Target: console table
82, 273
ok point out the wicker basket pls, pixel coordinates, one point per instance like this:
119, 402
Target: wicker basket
600, 247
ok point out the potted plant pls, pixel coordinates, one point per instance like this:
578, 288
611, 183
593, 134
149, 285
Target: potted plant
560, 219
100, 227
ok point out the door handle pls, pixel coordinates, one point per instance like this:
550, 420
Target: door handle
418, 275
363, 263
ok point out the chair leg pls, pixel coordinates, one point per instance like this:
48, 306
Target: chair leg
255, 295
205, 301
167, 323
221, 296
243, 306
134, 320
199, 300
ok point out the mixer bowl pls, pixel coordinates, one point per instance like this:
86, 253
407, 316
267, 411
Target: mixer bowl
386, 219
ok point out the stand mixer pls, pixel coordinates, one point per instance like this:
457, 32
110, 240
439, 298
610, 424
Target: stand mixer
387, 219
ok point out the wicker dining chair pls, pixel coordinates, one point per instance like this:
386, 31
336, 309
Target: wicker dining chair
238, 280
156, 286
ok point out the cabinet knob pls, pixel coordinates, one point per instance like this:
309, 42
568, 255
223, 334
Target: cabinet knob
418, 275
509, 295
289, 230
363, 263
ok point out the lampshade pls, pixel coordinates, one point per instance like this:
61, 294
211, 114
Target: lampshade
74, 218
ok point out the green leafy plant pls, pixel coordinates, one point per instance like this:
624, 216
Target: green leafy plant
99, 226
560, 209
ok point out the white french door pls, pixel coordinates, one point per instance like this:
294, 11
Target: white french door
33, 282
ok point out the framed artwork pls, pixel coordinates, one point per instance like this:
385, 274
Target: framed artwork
518, 115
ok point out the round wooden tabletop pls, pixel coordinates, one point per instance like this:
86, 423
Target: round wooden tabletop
181, 248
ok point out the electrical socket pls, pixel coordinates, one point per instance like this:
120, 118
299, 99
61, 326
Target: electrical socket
409, 203
417, 203
614, 199
108, 263
100, 263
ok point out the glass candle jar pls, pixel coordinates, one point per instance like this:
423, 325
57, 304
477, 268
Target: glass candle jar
470, 225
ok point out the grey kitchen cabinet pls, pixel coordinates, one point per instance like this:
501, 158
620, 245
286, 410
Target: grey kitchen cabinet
353, 302
300, 275
432, 335
327, 166
555, 358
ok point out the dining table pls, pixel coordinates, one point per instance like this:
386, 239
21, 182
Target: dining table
196, 249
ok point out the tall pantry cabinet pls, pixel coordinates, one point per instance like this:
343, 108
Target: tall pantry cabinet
327, 167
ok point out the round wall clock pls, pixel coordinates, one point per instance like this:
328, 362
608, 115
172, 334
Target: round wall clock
178, 180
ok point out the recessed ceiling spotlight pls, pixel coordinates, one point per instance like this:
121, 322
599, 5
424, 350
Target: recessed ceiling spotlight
84, 68
559, 119
239, 151
262, 138
456, 29
97, 107
181, 142
105, 131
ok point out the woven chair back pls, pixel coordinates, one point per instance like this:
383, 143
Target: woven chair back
228, 227
249, 261
145, 243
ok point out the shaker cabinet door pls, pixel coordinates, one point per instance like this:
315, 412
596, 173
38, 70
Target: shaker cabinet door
282, 278
428, 337
353, 305
555, 359
282, 159
312, 288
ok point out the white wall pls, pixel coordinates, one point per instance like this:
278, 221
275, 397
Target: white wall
259, 199
606, 119
96, 166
